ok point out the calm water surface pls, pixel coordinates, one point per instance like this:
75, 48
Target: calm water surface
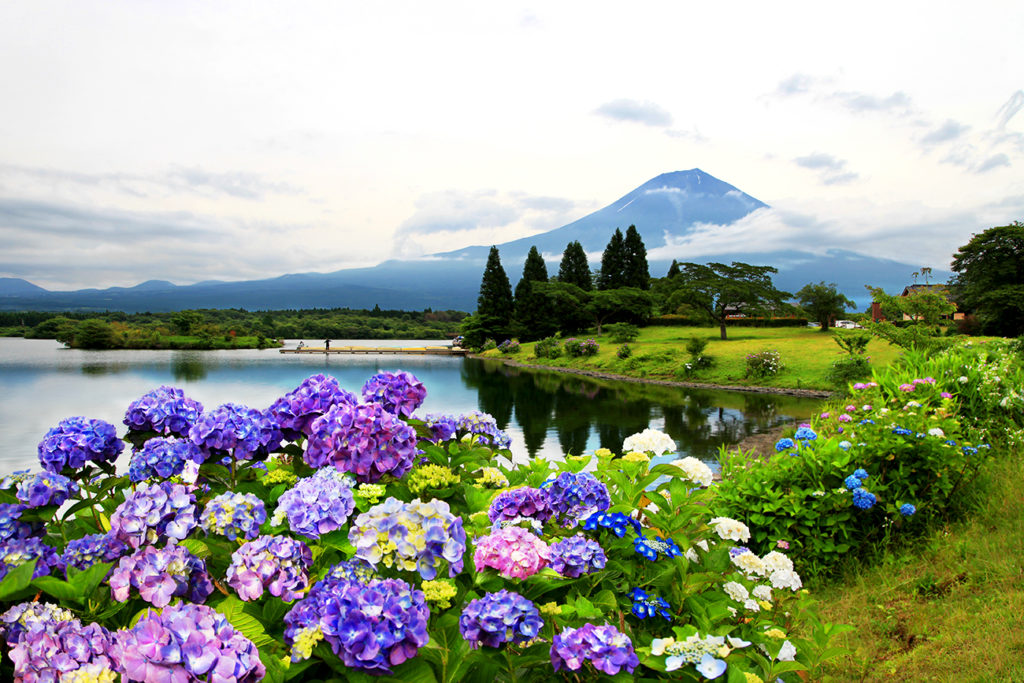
546, 413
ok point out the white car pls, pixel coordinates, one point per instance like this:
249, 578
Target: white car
847, 325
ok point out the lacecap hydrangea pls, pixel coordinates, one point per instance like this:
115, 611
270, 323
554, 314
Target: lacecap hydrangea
296, 410
77, 441
365, 440
318, 504
400, 393
165, 410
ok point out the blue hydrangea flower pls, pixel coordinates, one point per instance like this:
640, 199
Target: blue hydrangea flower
235, 430
233, 515
161, 574
498, 618
11, 526
901, 431
277, 564
863, 499
575, 496
484, 428
524, 501
969, 450
645, 605
860, 473
165, 410
296, 410
852, 482
845, 445
163, 457
400, 393
153, 513
577, 555
784, 445
606, 648
302, 622
45, 488
365, 440
58, 650
317, 505
84, 552
907, 509
616, 521
442, 427
805, 434
15, 552
76, 441
650, 548
867, 421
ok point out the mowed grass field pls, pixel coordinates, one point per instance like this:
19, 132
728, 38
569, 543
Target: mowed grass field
660, 353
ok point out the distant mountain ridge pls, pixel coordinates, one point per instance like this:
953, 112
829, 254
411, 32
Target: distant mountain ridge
669, 206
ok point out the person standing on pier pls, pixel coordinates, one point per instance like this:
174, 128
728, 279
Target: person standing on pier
327, 345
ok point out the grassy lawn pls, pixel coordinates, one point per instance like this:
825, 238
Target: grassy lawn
660, 353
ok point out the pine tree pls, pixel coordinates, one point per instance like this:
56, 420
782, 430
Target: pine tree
494, 305
574, 268
673, 270
534, 269
635, 272
613, 262
529, 309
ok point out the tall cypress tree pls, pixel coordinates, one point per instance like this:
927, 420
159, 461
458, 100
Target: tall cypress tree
529, 309
613, 262
635, 272
673, 270
494, 305
574, 268
534, 269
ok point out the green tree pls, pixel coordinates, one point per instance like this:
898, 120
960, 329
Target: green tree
635, 272
184, 321
622, 304
989, 280
823, 302
718, 290
565, 305
613, 263
574, 268
94, 334
494, 305
922, 310
530, 312
673, 270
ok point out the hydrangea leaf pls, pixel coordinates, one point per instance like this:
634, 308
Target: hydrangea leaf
17, 580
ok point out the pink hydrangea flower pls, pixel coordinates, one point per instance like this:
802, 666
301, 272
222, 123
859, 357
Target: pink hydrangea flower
513, 551
907, 387
851, 408
946, 394
845, 418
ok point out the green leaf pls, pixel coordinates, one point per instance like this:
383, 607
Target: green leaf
196, 547
17, 580
246, 624
62, 590
88, 580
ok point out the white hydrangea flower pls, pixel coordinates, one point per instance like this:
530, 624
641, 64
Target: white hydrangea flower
649, 441
730, 530
786, 578
749, 563
736, 591
763, 593
691, 555
695, 470
751, 606
788, 652
936, 431
776, 561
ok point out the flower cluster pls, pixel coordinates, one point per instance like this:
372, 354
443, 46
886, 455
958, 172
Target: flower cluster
76, 441
907, 509
161, 574
45, 488
296, 410
863, 499
729, 529
400, 393
498, 618
439, 592
695, 471
365, 440
58, 650
11, 526
524, 501
616, 521
855, 480
695, 650
649, 441
279, 476
576, 496
577, 555
163, 457
154, 512
237, 431
645, 605
442, 427
604, 646
370, 493
784, 445
27, 615
15, 552
492, 478
317, 505
764, 363
484, 428
581, 347
651, 548
431, 477
187, 642
233, 515
513, 551
302, 622
277, 564
804, 434
165, 410
84, 552
410, 536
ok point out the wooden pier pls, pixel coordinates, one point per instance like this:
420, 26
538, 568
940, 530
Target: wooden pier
382, 350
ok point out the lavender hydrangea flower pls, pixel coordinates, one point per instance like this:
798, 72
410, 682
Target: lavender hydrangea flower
274, 563
186, 643
84, 552
52, 651
27, 615
154, 512
412, 536
575, 496
317, 505
399, 392
161, 574
163, 457
365, 440
237, 431
497, 618
442, 427
45, 488
302, 622
604, 646
233, 515
577, 555
11, 526
524, 501
296, 410
76, 441
485, 428
165, 410
15, 552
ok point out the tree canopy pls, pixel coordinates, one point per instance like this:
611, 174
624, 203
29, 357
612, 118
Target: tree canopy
635, 272
574, 268
613, 263
530, 312
989, 279
494, 305
823, 302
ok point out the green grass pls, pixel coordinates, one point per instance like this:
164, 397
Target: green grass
660, 353
950, 609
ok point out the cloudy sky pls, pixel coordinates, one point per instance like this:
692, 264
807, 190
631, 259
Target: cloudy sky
189, 141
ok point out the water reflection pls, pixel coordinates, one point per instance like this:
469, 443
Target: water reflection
188, 369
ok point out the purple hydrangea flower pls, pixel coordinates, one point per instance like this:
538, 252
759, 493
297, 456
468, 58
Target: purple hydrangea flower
577, 555
399, 392
302, 622
317, 505
296, 410
442, 427
154, 512
604, 646
163, 457
50, 651
76, 441
84, 552
485, 428
187, 643
161, 574
521, 502
497, 618
165, 410
575, 496
15, 552
274, 563
11, 526
241, 432
365, 440
27, 615
45, 488
233, 515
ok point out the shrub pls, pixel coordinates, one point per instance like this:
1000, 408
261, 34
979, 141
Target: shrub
848, 369
549, 347
581, 347
622, 333
509, 346
490, 344
695, 346
764, 363
624, 351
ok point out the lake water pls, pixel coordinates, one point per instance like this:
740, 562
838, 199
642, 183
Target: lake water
546, 413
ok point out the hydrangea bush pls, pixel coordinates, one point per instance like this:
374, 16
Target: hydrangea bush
375, 543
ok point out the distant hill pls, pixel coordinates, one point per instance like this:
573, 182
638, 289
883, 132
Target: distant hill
668, 206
